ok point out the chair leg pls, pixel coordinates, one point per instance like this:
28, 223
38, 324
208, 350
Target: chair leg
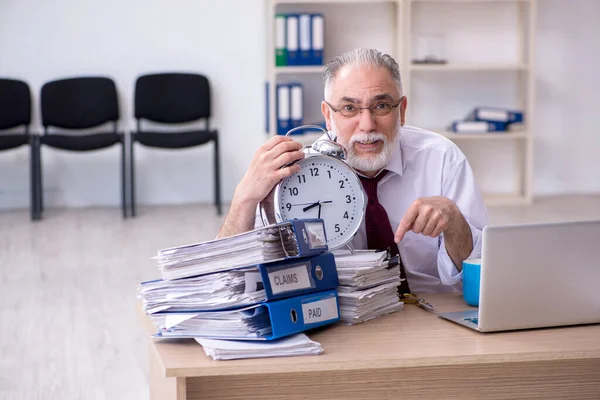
217, 178
34, 188
132, 176
40, 179
123, 180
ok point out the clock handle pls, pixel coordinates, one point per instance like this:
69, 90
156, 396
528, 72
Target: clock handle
310, 127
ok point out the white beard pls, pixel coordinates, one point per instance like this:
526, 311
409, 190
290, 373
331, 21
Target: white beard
374, 161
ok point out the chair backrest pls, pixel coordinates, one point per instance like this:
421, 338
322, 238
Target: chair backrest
79, 103
15, 103
172, 97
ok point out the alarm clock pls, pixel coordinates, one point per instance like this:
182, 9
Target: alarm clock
326, 187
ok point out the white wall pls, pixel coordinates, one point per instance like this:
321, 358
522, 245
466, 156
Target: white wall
568, 87
40, 41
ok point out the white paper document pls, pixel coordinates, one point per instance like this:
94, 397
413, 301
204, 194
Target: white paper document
271, 243
250, 323
363, 305
216, 291
368, 285
295, 345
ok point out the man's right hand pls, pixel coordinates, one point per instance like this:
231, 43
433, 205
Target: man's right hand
264, 173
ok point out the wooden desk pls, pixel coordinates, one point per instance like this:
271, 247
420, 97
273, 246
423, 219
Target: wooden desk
411, 354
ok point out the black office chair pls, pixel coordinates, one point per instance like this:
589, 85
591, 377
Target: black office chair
172, 98
80, 104
15, 111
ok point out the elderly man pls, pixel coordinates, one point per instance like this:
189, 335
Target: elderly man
423, 200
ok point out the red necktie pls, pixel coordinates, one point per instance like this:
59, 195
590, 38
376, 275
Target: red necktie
380, 235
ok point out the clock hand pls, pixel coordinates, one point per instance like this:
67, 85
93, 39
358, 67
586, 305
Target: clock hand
305, 209
301, 204
319, 216
313, 205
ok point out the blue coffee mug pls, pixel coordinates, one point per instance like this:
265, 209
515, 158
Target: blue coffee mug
471, 275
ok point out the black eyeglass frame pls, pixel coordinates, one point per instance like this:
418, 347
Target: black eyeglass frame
370, 108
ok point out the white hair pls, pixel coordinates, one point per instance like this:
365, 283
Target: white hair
369, 57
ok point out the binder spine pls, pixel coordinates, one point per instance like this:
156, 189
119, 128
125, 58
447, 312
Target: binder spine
296, 106
301, 313
267, 105
478, 126
283, 109
317, 39
495, 114
292, 33
310, 236
305, 45
299, 276
280, 40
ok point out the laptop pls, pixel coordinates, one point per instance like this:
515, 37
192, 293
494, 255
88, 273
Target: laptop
536, 276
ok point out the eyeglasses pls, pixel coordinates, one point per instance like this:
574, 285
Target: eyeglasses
379, 109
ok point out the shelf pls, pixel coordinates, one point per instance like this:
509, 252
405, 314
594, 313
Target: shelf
468, 67
469, 1
331, 1
300, 69
509, 199
483, 136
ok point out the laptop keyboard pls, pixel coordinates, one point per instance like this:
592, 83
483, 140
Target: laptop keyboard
473, 320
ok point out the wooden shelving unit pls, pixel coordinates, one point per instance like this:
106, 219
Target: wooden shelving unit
401, 35
517, 72
302, 73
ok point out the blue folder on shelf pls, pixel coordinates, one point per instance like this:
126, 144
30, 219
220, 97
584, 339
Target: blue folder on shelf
495, 114
296, 105
293, 39
266, 321
304, 39
317, 39
477, 126
283, 104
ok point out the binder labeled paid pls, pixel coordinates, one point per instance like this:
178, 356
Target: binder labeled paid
266, 321
241, 287
291, 239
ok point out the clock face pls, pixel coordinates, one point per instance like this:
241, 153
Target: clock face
326, 188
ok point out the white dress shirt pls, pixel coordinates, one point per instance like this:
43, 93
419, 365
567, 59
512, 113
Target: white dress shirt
427, 164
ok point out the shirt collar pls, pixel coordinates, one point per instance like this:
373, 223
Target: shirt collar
396, 162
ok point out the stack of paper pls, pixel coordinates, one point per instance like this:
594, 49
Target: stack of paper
295, 345
368, 285
261, 285
247, 323
222, 290
271, 243
265, 321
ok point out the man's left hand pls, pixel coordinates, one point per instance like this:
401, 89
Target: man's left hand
429, 216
